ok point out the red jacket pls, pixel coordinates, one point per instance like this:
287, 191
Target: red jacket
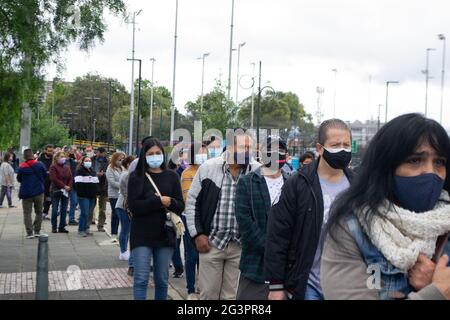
60, 176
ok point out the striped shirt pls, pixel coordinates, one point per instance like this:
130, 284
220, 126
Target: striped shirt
224, 226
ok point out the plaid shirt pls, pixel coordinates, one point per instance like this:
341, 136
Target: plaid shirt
224, 226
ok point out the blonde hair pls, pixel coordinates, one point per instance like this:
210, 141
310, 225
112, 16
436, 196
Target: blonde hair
58, 155
114, 158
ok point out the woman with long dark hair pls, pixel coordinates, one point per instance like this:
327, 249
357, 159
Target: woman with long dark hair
152, 233
387, 232
86, 185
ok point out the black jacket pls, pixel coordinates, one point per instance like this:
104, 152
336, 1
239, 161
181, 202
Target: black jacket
148, 227
101, 165
47, 163
84, 186
293, 231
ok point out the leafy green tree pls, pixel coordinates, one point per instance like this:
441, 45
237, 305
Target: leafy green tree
74, 98
43, 132
218, 111
279, 110
34, 33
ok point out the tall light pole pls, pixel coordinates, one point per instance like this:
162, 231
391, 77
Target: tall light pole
253, 96
130, 143
387, 97
203, 57
238, 64
231, 51
138, 122
335, 92
151, 97
427, 79
93, 116
172, 109
442, 37
379, 115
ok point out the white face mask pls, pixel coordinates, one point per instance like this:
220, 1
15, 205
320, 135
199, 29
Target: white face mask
87, 165
200, 158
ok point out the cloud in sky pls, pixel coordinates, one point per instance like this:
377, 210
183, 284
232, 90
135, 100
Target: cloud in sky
298, 41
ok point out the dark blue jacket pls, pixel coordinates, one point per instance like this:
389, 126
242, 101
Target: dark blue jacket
31, 175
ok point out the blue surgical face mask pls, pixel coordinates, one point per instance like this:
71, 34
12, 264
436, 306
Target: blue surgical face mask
200, 158
418, 193
155, 161
242, 158
214, 152
87, 165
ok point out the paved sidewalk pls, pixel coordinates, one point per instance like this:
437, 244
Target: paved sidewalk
103, 275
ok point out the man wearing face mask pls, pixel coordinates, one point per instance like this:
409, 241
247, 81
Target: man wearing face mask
292, 255
47, 158
100, 165
73, 199
211, 219
256, 193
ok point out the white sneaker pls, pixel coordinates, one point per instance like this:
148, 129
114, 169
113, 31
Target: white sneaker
193, 296
124, 256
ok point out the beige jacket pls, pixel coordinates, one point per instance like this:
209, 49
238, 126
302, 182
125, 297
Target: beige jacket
343, 272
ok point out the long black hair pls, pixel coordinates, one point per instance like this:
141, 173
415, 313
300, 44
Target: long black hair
142, 166
391, 146
138, 176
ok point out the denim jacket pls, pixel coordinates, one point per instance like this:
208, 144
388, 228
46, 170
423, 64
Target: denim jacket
394, 282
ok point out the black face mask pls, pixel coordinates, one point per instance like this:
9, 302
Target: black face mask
281, 160
339, 160
71, 156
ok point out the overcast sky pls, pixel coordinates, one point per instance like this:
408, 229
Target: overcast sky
298, 41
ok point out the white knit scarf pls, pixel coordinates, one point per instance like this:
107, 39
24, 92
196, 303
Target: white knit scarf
402, 235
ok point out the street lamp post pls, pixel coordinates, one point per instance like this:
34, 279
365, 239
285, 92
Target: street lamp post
230, 61
93, 120
138, 120
379, 114
427, 78
387, 97
109, 112
151, 97
130, 144
238, 65
172, 110
442, 37
203, 57
253, 96
335, 92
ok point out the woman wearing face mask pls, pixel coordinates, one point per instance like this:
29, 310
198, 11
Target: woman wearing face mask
152, 234
61, 184
86, 185
198, 157
292, 255
214, 148
113, 177
387, 232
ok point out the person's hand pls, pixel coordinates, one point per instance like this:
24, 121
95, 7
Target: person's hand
421, 274
100, 174
166, 201
67, 188
202, 244
277, 295
441, 276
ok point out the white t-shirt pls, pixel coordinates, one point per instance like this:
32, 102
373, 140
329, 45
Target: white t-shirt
274, 185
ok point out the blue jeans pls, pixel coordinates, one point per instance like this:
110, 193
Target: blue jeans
124, 234
114, 217
86, 206
73, 199
312, 293
190, 259
176, 258
59, 202
141, 260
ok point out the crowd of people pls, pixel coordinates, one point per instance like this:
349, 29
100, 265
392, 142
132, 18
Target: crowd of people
253, 227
